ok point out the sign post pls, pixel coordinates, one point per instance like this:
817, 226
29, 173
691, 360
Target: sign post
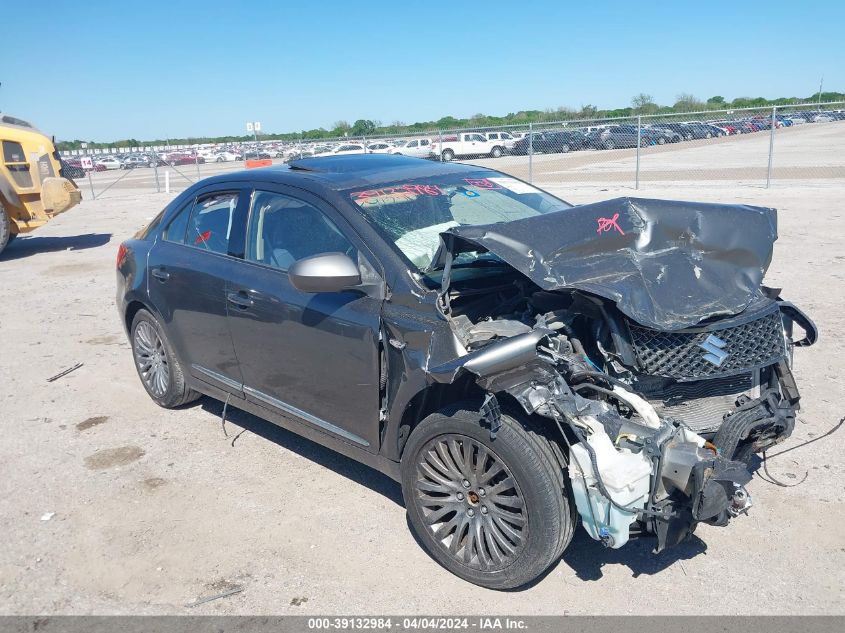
87, 164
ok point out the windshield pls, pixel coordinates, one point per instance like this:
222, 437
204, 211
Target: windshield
411, 214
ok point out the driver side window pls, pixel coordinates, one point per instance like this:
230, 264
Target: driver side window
283, 230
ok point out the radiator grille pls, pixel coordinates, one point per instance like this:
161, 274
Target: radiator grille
679, 355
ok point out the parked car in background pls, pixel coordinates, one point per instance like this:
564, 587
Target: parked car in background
109, 162
76, 163
504, 138
679, 131
550, 143
177, 158
823, 117
465, 145
728, 127
131, 162
257, 155
344, 150
380, 148
614, 137
224, 157
71, 168
648, 135
416, 147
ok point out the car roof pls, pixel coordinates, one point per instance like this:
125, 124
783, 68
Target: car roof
346, 172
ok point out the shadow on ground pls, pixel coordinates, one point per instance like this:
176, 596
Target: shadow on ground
584, 556
342, 465
587, 557
27, 245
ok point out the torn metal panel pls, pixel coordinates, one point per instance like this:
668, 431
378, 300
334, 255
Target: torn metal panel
665, 264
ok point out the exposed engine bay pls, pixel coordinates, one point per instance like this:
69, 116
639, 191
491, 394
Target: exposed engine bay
661, 416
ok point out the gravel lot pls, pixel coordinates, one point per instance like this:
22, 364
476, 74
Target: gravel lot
110, 505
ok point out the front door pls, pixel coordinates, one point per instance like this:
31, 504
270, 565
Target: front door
188, 268
313, 357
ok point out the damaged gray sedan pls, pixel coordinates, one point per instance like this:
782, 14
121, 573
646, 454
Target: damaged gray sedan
519, 364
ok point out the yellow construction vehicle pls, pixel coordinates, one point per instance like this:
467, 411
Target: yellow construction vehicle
33, 189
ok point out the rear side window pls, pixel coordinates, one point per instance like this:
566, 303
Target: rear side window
210, 224
175, 231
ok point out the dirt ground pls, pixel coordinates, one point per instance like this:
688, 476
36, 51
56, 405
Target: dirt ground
111, 505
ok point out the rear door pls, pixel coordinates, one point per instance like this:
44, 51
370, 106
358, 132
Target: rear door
313, 357
188, 267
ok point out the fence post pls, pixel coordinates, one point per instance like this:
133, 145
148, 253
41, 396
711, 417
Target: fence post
639, 142
197, 161
155, 167
440, 143
364, 137
771, 145
531, 153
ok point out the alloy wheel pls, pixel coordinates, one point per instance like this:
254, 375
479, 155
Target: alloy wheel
151, 358
471, 502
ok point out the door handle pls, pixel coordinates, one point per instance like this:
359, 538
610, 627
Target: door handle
239, 299
160, 274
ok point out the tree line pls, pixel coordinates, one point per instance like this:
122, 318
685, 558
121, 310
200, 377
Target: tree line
641, 104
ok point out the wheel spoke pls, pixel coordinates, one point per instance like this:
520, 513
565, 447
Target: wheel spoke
436, 475
446, 528
446, 460
437, 515
458, 457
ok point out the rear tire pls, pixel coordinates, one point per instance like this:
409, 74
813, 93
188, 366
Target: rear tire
448, 155
496, 152
661, 141
156, 362
5, 230
508, 533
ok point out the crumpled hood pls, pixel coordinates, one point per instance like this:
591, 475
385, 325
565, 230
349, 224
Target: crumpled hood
665, 264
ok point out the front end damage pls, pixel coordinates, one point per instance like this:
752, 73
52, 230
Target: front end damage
656, 354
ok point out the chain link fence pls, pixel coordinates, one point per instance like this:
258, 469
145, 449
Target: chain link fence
797, 145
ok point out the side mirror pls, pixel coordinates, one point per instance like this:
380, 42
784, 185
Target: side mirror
327, 272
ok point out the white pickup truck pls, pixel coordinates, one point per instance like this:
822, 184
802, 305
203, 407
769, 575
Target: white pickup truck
466, 144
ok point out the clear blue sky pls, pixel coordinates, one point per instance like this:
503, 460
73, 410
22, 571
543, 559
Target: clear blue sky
147, 69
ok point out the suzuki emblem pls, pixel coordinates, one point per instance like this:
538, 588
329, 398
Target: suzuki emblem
715, 355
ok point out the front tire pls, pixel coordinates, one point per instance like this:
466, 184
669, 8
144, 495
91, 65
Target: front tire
495, 512
496, 152
157, 365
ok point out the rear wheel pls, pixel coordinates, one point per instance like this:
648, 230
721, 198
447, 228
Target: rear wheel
497, 152
564, 149
158, 367
661, 140
495, 512
609, 145
5, 230
448, 155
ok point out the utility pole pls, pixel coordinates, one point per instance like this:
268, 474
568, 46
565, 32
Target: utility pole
819, 100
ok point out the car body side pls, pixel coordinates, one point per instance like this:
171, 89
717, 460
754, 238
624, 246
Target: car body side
412, 335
